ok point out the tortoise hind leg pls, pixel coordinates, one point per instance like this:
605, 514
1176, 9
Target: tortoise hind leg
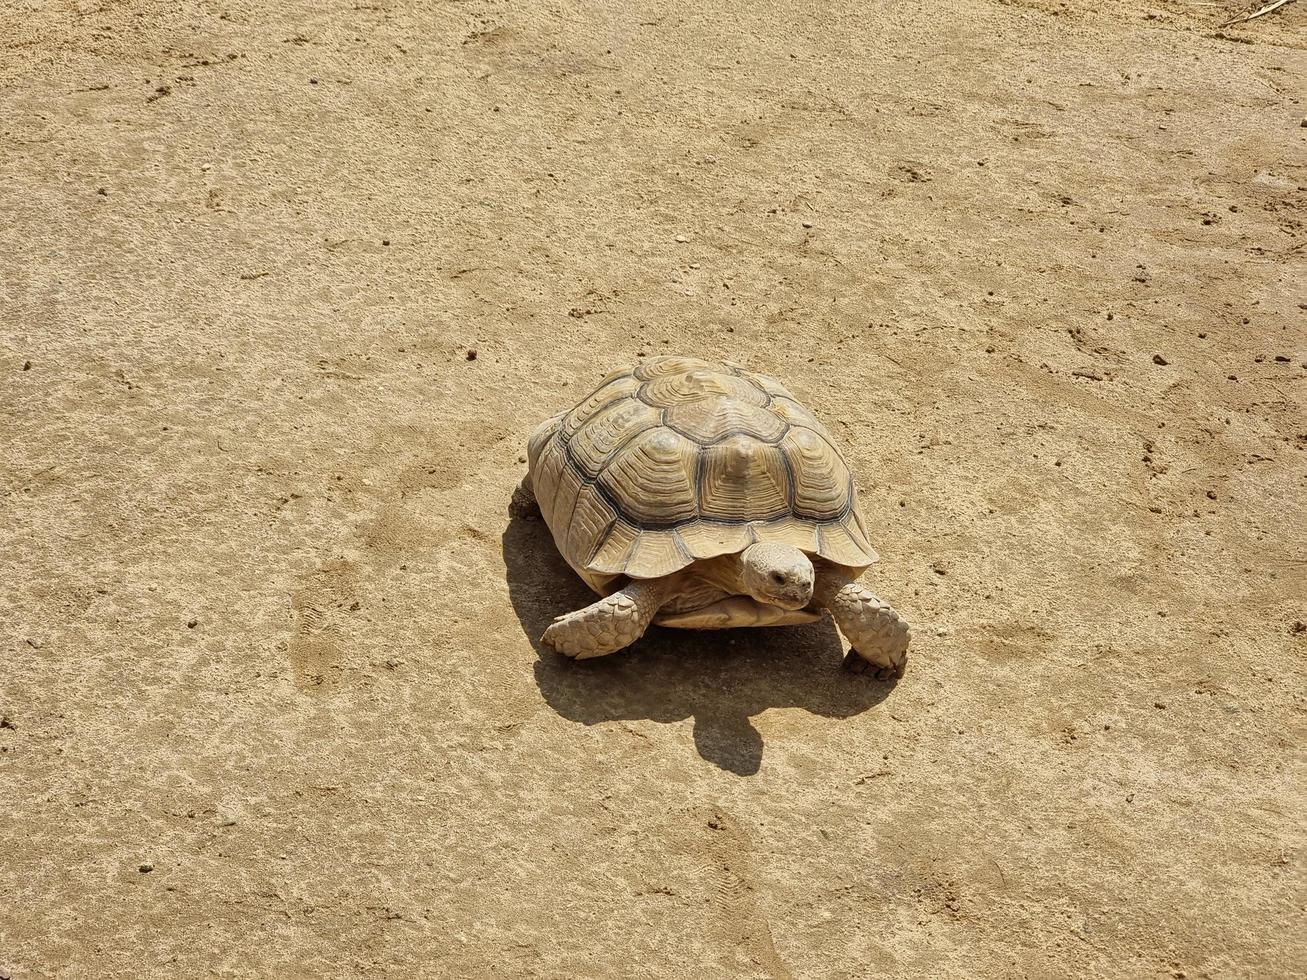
879, 635
524, 503
610, 624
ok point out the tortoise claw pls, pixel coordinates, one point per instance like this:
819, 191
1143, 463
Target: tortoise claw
856, 663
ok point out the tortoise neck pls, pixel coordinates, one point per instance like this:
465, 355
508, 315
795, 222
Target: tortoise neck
726, 572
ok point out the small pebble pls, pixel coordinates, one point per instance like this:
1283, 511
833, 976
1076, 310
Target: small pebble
1281, 359
191, 624
682, 239
1159, 704
27, 365
472, 354
145, 869
807, 224
385, 241
1211, 494
313, 81
1159, 359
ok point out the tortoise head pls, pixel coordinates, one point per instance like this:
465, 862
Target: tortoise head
777, 574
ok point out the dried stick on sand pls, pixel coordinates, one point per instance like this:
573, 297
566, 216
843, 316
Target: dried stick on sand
1274, 5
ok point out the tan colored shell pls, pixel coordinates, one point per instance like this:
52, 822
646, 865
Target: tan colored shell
681, 459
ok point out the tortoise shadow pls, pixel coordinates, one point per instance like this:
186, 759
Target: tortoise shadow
720, 679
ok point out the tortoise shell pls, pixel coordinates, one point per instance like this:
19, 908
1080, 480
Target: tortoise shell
680, 459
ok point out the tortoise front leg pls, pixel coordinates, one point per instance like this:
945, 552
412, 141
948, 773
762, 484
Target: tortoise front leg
606, 626
879, 635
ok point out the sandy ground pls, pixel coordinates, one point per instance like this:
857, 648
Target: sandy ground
268, 629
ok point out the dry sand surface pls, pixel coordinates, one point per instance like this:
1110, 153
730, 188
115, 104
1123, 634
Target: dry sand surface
271, 694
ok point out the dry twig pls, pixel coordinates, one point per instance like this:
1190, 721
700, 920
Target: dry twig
1273, 5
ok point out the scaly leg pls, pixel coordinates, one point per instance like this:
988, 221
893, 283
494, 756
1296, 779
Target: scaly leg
879, 635
606, 626
523, 502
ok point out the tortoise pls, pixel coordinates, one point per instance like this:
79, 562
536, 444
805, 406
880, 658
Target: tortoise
702, 495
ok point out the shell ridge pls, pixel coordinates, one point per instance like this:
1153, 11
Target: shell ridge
600, 540
612, 454
681, 548
747, 435
791, 483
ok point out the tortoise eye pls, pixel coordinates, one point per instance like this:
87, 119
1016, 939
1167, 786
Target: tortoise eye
778, 578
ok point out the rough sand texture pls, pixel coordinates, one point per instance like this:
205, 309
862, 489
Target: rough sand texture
268, 627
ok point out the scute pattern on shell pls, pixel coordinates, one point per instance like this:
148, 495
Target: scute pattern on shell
681, 459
